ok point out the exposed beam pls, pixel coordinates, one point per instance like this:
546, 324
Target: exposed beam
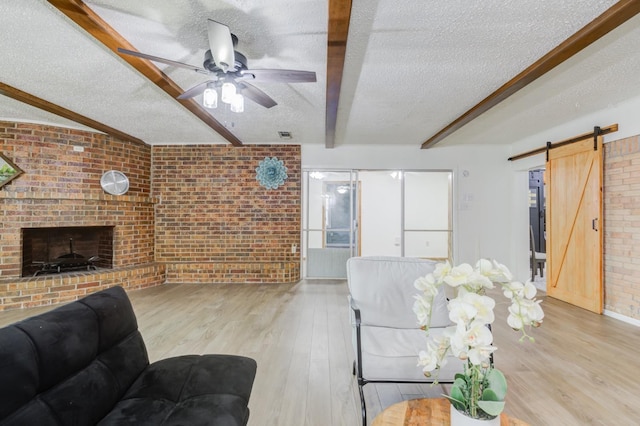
339, 17
29, 99
615, 16
83, 16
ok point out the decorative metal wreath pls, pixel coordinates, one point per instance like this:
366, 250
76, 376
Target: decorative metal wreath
271, 172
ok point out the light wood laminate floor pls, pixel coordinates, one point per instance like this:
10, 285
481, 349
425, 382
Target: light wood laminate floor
582, 370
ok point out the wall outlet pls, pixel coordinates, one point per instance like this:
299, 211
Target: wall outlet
294, 248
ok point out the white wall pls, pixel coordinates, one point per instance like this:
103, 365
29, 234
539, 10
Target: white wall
625, 114
491, 213
380, 222
426, 208
482, 195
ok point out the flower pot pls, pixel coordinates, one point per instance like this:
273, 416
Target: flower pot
459, 419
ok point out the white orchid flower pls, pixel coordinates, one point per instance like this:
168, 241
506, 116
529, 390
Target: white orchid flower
428, 361
529, 290
513, 289
441, 270
481, 355
501, 273
431, 358
531, 310
427, 285
471, 306
467, 342
470, 339
422, 309
515, 321
459, 275
478, 282
524, 312
493, 270
461, 311
478, 335
484, 266
455, 336
484, 307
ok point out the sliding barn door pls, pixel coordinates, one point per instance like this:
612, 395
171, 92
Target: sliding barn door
574, 224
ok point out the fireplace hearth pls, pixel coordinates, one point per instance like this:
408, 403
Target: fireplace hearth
58, 250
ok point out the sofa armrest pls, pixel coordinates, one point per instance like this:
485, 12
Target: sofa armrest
358, 338
356, 311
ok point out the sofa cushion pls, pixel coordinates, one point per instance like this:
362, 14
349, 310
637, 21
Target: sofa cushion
392, 354
72, 364
18, 369
65, 340
115, 317
188, 390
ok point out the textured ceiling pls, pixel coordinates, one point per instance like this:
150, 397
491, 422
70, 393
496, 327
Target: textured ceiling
411, 67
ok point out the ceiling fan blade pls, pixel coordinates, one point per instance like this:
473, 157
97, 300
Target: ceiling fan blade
256, 95
195, 90
163, 60
221, 45
281, 76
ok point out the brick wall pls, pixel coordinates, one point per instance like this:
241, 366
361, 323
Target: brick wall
215, 223
61, 187
622, 226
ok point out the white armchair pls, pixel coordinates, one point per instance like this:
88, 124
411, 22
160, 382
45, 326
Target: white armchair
386, 335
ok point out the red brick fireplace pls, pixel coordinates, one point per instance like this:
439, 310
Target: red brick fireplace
59, 196
56, 250
204, 219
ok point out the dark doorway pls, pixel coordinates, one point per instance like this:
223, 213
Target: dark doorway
537, 209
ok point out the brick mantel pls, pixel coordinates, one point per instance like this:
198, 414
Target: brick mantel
60, 187
202, 218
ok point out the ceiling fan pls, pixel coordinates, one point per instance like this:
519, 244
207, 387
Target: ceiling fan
229, 72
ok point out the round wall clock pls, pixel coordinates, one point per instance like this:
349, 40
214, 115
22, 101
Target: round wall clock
114, 182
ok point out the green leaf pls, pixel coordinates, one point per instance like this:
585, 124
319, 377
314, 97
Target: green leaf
459, 393
460, 383
492, 408
457, 400
497, 383
460, 376
489, 395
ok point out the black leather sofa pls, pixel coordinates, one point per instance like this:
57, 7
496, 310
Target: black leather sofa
86, 363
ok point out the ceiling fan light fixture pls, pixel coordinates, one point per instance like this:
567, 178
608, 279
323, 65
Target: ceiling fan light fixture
237, 103
228, 92
210, 97
226, 65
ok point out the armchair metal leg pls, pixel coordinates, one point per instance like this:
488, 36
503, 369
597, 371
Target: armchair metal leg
361, 383
362, 405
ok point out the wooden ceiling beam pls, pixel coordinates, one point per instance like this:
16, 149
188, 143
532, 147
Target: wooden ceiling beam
612, 18
40, 103
339, 18
83, 16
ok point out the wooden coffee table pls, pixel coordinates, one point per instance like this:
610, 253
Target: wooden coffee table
432, 411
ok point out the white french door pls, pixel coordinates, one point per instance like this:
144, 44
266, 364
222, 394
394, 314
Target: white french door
374, 213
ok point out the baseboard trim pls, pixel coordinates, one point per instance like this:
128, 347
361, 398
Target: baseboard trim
621, 317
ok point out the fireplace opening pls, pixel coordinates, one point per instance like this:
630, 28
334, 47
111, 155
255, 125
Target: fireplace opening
63, 249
